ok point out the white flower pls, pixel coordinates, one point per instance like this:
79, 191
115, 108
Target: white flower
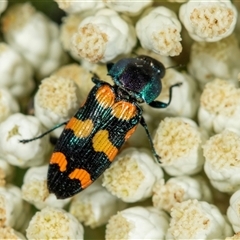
54, 223
6, 172
179, 189
69, 27
56, 101
18, 127
16, 73
137, 223
222, 165
12, 208
128, 7
97, 68
132, 176
194, 219
35, 191
73, 6
165, 60
95, 205
215, 60
233, 211
3, 5
103, 36
8, 105
10, 233
82, 76
159, 31
209, 20
219, 107
185, 98
234, 237
34, 36
178, 142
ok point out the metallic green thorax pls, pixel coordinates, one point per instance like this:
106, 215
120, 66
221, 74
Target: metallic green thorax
140, 76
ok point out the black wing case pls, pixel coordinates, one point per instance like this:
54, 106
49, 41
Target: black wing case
91, 140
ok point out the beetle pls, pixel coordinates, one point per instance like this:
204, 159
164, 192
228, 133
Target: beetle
93, 136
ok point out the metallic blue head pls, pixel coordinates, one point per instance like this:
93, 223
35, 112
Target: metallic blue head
140, 76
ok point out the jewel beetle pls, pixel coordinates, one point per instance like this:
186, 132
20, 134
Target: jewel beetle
93, 136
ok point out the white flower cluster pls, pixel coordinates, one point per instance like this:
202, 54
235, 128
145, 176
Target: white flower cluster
103, 36
163, 38
54, 223
193, 219
179, 189
222, 163
210, 20
78, 6
219, 106
12, 130
16, 72
95, 213
193, 192
185, 99
56, 100
8, 104
132, 8
35, 37
35, 191
132, 176
184, 136
233, 211
210, 60
138, 223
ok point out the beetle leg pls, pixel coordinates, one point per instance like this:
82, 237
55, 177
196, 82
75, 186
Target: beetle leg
109, 66
158, 104
96, 80
143, 123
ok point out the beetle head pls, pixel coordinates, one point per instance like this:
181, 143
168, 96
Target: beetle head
140, 76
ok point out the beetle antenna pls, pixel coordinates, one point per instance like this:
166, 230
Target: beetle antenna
177, 66
135, 54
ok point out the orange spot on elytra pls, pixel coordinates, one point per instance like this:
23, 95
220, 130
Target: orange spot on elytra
82, 175
101, 143
105, 96
124, 110
130, 132
80, 128
59, 159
